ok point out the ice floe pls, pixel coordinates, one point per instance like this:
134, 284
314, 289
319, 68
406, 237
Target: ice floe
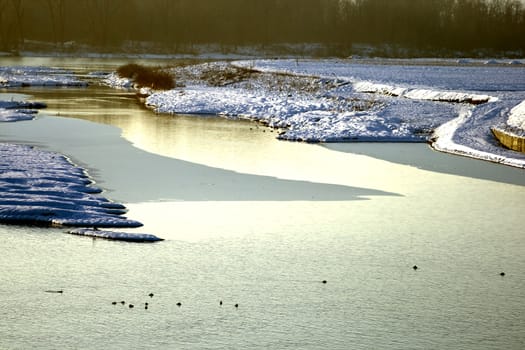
115, 235
45, 188
24, 76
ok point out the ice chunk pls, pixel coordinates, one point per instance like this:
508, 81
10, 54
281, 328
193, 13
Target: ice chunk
114, 235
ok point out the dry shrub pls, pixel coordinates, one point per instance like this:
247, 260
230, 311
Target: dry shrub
143, 76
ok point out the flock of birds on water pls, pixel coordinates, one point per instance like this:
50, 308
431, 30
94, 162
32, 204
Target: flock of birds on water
179, 304
151, 295
146, 305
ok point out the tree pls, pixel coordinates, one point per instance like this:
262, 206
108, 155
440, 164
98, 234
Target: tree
56, 10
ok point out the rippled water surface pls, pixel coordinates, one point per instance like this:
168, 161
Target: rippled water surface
252, 221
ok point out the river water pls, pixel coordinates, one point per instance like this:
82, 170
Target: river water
253, 221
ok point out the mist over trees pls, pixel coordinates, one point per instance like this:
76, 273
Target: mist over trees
178, 25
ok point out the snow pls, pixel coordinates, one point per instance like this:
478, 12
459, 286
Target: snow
115, 81
24, 76
422, 94
517, 117
45, 188
344, 100
12, 111
114, 235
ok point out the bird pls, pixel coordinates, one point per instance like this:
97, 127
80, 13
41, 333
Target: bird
122, 302
236, 305
151, 295
324, 281
131, 306
114, 303
179, 304
414, 267
220, 302
502, 274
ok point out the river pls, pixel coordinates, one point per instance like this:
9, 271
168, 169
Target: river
253, 221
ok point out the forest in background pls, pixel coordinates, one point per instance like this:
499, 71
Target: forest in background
337, 25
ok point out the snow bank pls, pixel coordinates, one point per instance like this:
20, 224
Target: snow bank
444, 140
231, 102
423, 94
12, 111
24, 76
307, 108
341, 100
315, 126
517, 117
115, 81
45, 188
303, 117
114, 235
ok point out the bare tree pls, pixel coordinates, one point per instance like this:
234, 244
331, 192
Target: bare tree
102, 16
18, 11
56, 12
7, 26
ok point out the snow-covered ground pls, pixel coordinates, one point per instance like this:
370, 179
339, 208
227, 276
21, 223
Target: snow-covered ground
12, 111
517, 117
37, 76
452, 105
41, 187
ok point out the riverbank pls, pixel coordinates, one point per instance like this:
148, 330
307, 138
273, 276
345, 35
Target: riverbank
45, 188
453, 107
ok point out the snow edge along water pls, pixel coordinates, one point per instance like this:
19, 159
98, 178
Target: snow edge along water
45, 188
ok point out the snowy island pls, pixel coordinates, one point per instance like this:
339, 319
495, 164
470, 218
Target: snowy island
452, 105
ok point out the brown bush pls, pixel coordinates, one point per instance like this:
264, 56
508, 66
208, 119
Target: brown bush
143, 76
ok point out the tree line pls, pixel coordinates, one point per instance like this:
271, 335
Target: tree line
463, 25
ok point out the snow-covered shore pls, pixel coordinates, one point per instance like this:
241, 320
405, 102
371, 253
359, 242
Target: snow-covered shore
45, 188
37, 76
341, 100
13, 111
38, 187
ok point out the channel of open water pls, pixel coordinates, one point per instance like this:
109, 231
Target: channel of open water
253, 221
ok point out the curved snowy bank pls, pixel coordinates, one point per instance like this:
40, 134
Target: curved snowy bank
423, 94
444, 141
45, 188
25, 76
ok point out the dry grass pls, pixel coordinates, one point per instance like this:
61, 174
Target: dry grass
227, 76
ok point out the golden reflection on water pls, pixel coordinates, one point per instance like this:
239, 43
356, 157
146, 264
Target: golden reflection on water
243, 146
426, 198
